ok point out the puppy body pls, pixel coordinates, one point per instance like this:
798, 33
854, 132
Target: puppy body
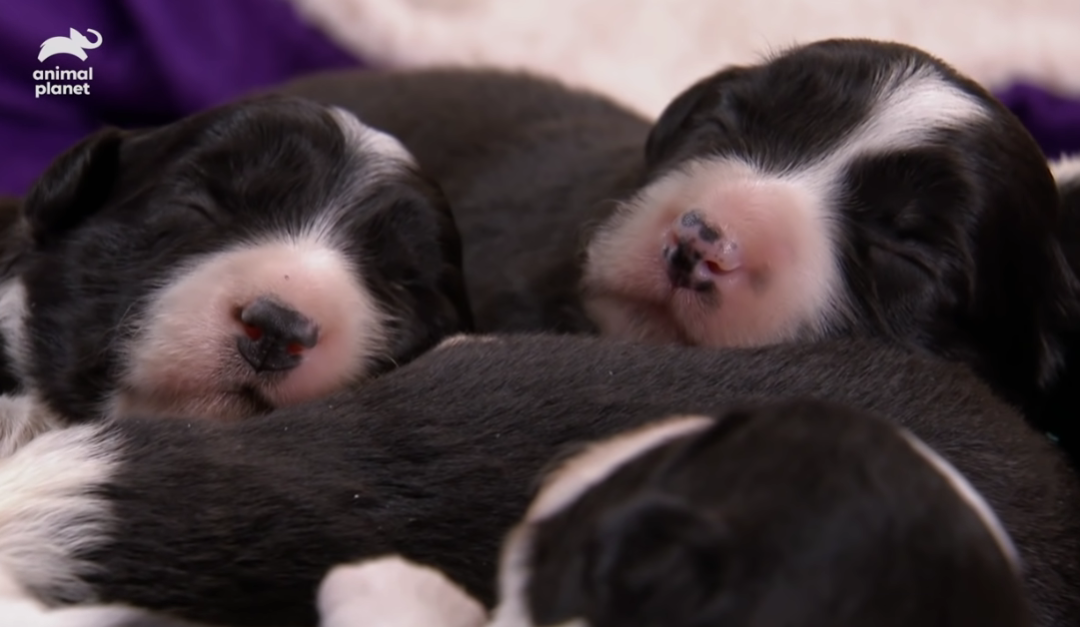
237, 522
841, 188
797, 513
780, 514
530, 167
251, 256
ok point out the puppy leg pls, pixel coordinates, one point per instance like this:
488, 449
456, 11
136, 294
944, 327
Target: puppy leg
394, 592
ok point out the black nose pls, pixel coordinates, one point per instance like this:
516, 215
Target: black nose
275, 336
698, 253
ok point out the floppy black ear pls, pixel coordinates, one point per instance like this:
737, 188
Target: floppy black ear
416, 248
74, 186
674, 119
655, 561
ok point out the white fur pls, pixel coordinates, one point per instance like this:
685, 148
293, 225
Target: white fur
367, 140
564, 486
600, 460
19, 608
22, 418
970, 496
783, 223
643, 52
13, 322
48, 511
467, 338
183, 360
1066, 168
394, 592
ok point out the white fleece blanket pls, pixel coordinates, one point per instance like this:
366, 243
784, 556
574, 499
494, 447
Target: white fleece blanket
643, 52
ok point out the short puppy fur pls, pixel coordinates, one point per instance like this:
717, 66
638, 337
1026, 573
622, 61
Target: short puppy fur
843, 187
1063, 402
772, 514
236, 522
252, 256
800, 513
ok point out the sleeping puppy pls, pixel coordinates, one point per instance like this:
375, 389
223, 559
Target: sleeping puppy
780, 514
248, 257
777, 514
844, 187
236, 522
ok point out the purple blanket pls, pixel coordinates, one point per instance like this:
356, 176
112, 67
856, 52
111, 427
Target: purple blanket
162, 59
158, 60
1054, 120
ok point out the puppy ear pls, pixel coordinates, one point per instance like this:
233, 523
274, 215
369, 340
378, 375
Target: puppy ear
655, 561
74, 186
415, 244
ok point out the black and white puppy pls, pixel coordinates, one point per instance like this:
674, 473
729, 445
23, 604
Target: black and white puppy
248, 257
236, 522
843, 187
782, 514
796, 514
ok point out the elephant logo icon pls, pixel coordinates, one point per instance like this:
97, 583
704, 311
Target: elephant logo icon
75, 44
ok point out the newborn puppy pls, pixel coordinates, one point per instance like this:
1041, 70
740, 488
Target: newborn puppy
778, 514
236, 522
785, 514
844, 187
248, 257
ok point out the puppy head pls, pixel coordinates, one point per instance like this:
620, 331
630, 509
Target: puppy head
252, 256
794, 513
842, 187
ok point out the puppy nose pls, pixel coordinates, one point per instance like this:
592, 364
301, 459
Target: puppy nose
698, 253
275, 336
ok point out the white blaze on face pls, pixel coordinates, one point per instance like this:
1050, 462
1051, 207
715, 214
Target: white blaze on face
184, 359
784, 226
970, 496
184, 356
365, 140
561, 489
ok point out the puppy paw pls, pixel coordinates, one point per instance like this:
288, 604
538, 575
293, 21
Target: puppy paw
394, 592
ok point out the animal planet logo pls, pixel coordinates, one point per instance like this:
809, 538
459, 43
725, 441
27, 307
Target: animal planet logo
75, 44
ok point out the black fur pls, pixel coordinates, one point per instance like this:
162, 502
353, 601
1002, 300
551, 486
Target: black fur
799, 513
1063, 402
12, 231
237, 522
528, 165
120, 210
949, 247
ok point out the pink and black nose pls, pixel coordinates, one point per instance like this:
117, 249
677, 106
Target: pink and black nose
275, 336
697, 253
